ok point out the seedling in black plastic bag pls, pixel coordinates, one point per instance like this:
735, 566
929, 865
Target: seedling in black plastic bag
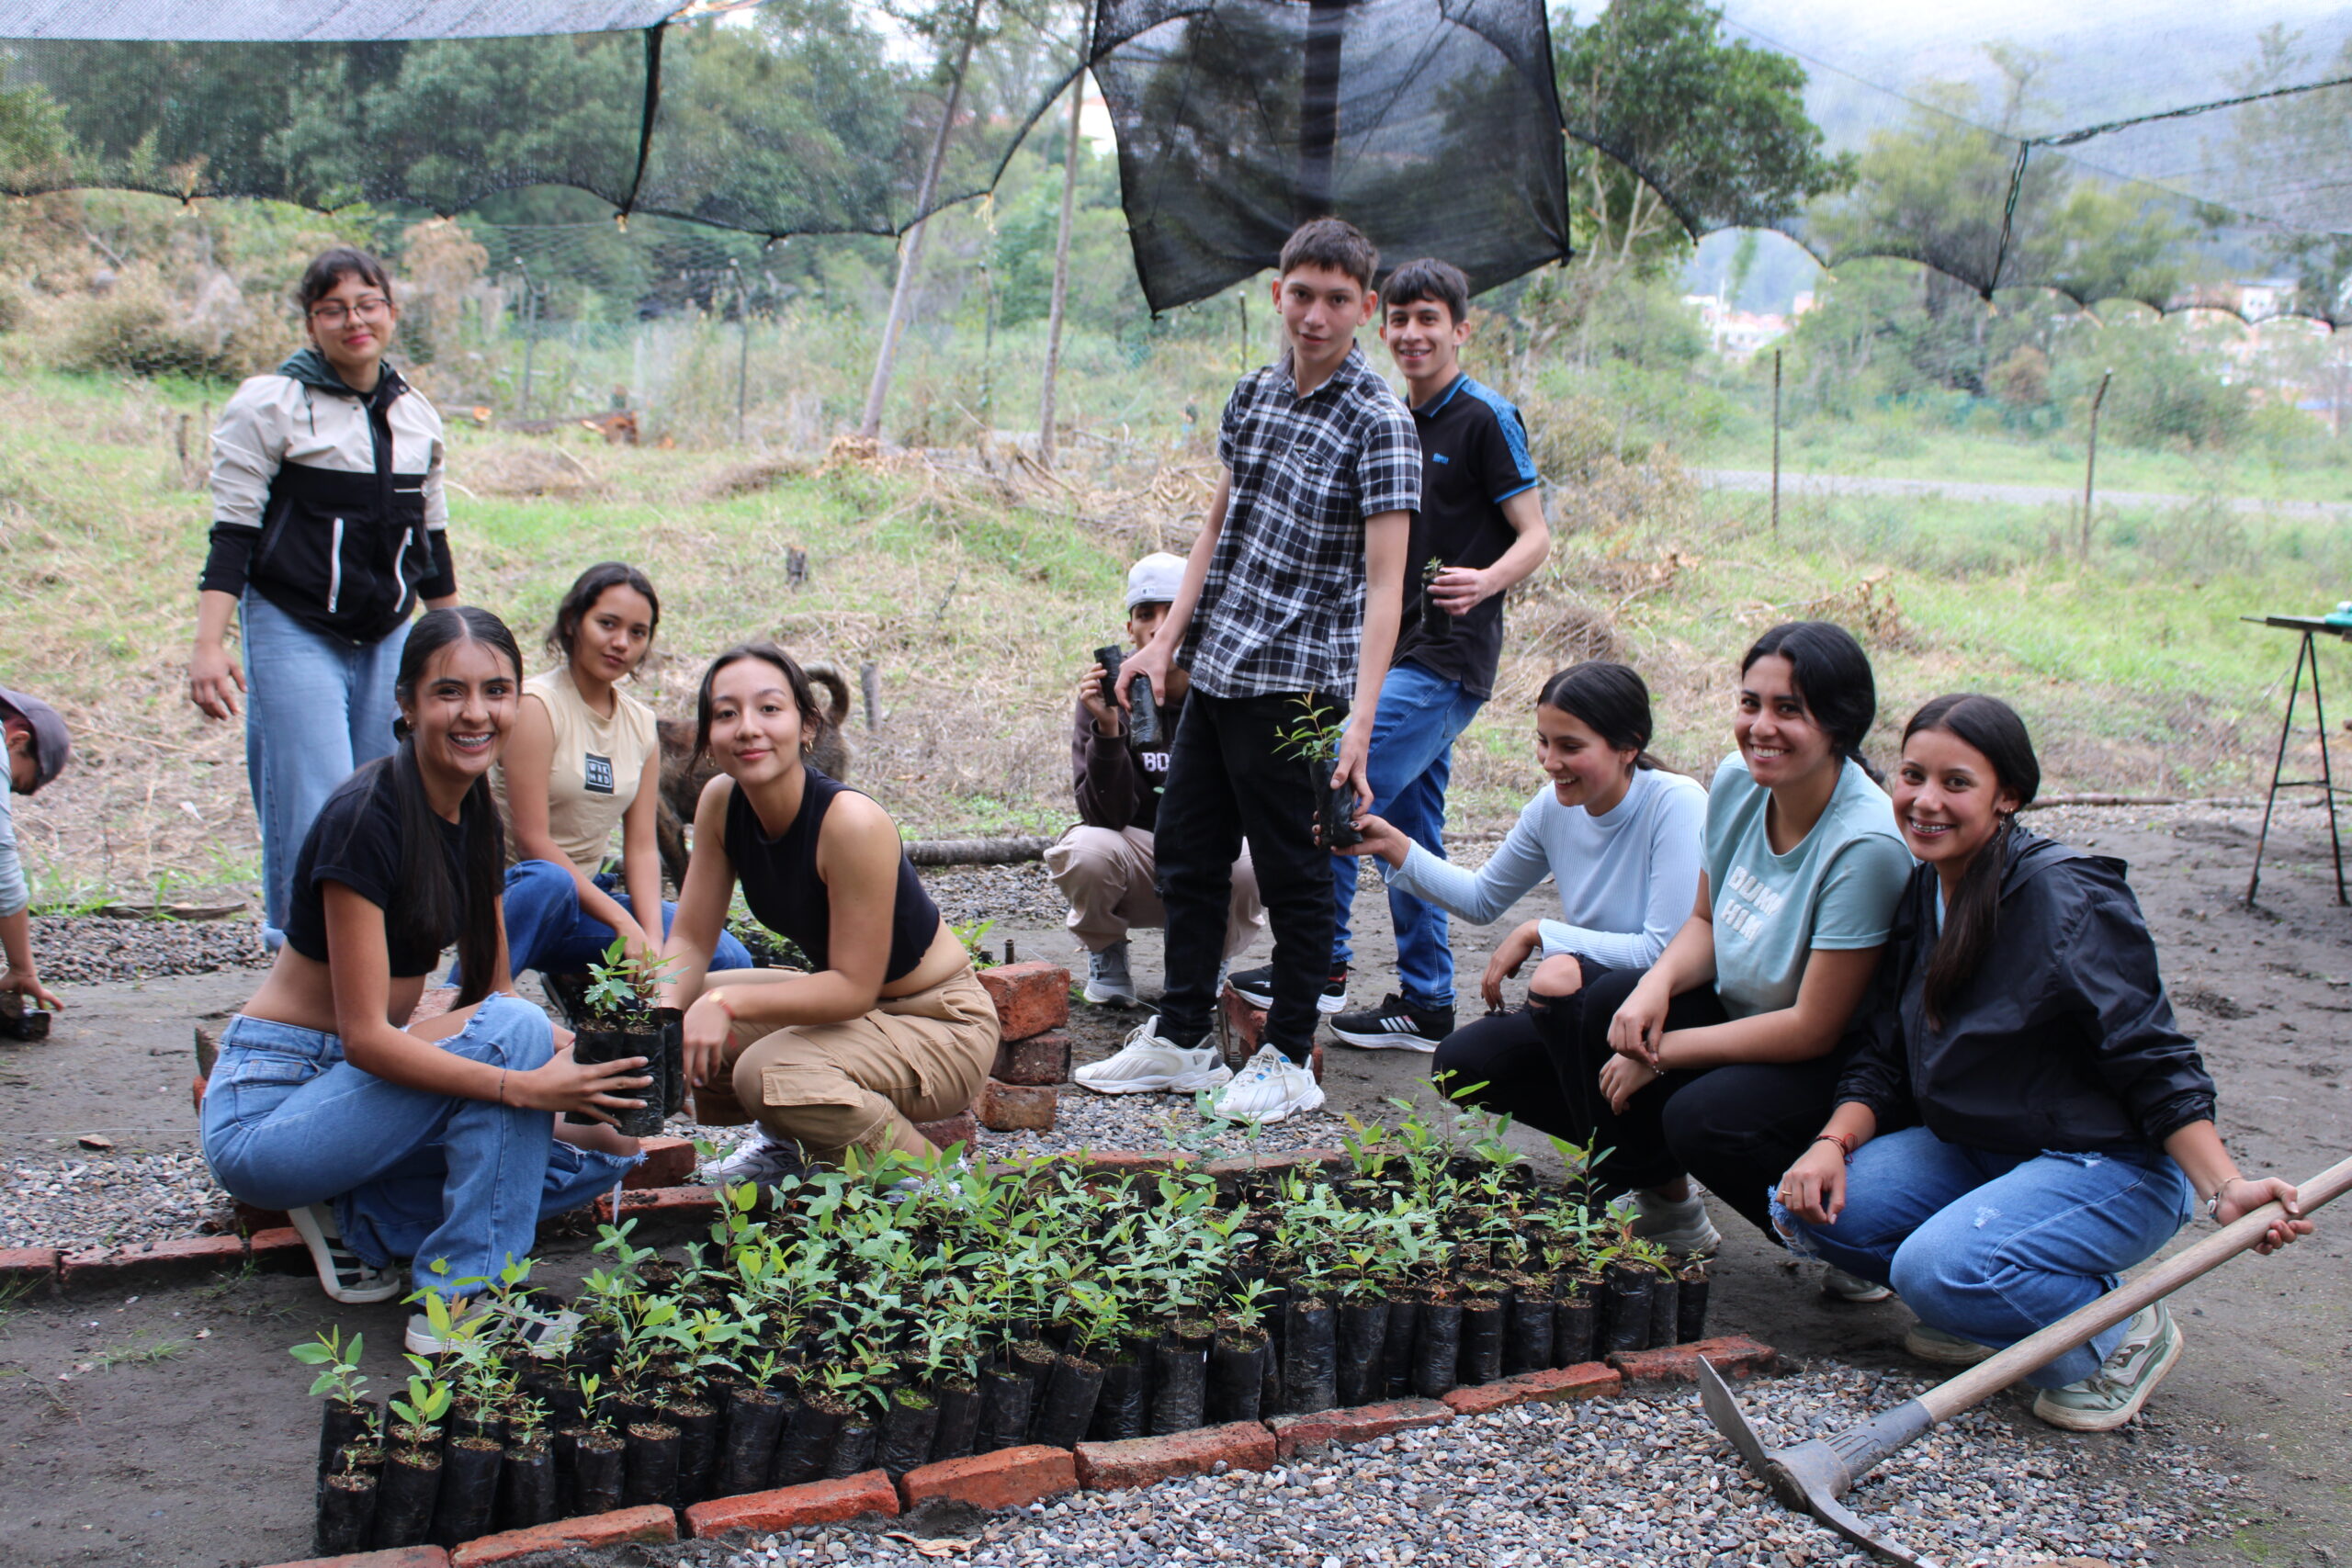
1313, 738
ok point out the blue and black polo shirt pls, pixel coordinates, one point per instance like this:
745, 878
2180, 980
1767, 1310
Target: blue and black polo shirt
1473, 458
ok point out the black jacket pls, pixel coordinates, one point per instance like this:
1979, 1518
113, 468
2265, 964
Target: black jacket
2063, 1039
329, 503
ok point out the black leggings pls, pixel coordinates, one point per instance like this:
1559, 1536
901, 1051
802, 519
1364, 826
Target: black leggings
1735, 1128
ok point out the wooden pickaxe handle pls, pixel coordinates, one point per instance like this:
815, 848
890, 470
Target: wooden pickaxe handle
1988, 1378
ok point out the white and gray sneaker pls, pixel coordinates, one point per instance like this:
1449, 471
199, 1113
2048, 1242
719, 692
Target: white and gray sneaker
1680, 1228
761, 1157
1272, 1087
1150, 1064
1108, 984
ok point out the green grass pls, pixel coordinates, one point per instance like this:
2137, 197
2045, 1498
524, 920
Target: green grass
979, 601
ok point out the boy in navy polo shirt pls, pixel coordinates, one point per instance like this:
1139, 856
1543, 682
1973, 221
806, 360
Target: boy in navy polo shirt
1482, 519
1291, 598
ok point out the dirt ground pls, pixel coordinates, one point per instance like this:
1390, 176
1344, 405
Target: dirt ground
171, 1426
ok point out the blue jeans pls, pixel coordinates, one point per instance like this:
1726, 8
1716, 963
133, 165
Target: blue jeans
1411, 760
288, 1122
1992, 1247
316, 708
548, 930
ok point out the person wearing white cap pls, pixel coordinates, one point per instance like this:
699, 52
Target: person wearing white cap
1105, 866
37, 749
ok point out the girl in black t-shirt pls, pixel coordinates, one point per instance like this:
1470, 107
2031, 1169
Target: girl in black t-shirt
891, 1028
439, 1141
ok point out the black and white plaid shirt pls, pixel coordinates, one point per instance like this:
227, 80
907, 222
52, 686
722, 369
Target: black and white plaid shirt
1283, 607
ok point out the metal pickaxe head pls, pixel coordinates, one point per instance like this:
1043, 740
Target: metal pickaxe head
1811, 1476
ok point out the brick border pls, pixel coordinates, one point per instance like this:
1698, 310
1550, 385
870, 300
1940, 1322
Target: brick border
1014, 1478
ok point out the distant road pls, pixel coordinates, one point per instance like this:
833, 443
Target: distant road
2015, 495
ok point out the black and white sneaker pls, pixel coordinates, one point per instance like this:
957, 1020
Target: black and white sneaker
1256, 987
1394, 1025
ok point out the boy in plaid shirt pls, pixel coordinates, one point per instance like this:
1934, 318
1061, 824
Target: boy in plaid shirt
1292, 594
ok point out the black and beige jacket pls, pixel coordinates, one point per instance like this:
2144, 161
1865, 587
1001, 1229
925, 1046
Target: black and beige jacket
327, 503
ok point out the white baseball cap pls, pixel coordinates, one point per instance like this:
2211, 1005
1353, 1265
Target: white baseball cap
1153, 580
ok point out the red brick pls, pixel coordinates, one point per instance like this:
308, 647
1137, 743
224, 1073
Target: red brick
1030, 997
195, 1093
1139, 1461
106, 1268
251, 1220
1011, 1108
1327, 1428
281, 1251
1563, 1386
1009, 1478
651, 1524
818, 1502
669, 1162
1275, 1164
38, 1265
1734, 1355
1240, 1028
962, 1128
1040, 1059
1123, 1162
677, 1202
397, 1557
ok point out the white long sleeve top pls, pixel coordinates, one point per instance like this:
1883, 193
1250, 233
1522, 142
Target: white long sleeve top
1627, 878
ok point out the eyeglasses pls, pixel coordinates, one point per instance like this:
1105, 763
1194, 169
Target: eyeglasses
334, 313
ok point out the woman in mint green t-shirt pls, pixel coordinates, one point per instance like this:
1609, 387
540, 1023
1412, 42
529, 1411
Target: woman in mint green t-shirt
1719, 1061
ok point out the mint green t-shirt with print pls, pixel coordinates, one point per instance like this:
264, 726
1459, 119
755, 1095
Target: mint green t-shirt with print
1836, 889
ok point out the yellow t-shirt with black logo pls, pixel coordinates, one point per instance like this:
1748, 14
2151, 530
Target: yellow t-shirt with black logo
594, 769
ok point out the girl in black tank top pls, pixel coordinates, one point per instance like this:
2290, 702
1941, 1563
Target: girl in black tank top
880, 1030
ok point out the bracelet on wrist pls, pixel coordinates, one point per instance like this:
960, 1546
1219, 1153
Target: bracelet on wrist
719, 999
2213, 1201
1843, 1141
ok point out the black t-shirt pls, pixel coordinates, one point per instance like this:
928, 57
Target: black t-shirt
356, 841
1473, 458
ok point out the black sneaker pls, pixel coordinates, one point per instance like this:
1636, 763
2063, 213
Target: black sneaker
1256, 987
1394, 1025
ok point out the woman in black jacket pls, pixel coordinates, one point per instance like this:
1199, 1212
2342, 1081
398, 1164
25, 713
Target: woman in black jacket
328, 531
2055, 1126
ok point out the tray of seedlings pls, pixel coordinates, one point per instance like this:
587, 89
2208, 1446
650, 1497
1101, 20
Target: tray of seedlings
892, 1317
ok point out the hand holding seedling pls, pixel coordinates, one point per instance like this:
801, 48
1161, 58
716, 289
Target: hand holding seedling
1380, 838
595, 1089
1458, 589
1355, 748
1150, 661
1090, 691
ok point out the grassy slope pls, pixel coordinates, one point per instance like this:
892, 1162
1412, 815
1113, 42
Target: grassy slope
979, 604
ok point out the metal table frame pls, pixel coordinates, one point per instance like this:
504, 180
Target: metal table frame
2308, 627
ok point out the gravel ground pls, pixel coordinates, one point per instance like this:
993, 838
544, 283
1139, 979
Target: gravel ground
89, 1199
81, 950
1622, 1484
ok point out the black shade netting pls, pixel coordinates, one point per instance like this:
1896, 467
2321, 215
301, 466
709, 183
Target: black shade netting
797, 117
1429, 124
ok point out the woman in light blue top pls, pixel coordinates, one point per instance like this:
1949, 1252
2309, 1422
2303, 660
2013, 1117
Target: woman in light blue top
1720, 1060
1621, 840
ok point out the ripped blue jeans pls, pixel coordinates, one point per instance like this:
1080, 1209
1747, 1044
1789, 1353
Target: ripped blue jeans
1994, 1246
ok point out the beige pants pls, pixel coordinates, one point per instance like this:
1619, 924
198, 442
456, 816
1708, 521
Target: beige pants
1106, 874
864, 1083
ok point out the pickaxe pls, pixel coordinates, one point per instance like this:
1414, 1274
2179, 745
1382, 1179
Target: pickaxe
1812, 1475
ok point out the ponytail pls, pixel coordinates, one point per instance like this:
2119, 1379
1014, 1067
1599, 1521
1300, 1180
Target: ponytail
1973, 915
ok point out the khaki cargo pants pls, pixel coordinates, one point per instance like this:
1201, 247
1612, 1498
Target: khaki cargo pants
866, 1082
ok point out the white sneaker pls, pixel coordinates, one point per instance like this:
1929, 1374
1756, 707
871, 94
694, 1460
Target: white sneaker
344, 1275
1272, 1087
1681, 1228
1108, 983
1147, 1063
538, 1330
761, 1157
1839, 1285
